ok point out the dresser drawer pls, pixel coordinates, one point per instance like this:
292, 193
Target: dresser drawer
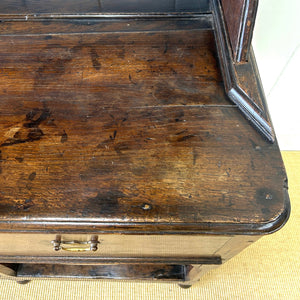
118, 247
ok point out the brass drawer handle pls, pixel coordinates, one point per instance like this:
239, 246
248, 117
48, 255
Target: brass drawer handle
75, 246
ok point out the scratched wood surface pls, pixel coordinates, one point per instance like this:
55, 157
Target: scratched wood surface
128, 128
19, 7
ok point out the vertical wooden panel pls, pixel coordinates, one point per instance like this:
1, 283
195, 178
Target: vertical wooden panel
240, 18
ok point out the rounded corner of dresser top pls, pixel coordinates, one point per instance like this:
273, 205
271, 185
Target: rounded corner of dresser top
280, 218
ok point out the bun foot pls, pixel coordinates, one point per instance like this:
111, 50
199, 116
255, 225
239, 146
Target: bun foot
23, 281
185, 286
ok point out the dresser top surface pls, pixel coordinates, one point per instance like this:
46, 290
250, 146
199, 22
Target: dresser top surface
128, 130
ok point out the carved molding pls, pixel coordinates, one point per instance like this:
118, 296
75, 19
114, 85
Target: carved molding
239, 18
256, 115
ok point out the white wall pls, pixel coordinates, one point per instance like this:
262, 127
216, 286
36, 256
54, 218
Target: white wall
276, 42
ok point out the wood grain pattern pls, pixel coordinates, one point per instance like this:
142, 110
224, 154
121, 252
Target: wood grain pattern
248, 79
19, 7
128, 129
83, 25
240, 18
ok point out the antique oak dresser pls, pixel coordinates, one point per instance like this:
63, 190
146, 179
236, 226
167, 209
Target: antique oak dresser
135, 140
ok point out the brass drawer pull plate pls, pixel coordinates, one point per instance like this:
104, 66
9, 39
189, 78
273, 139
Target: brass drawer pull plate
75, 246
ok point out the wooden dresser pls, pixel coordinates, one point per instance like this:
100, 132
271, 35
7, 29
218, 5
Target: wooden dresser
135, 140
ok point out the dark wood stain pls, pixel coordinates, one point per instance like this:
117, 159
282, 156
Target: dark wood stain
30, 130
104, 202
186, 137
95, 59
19, 159
32, 176
64, 137
36, 117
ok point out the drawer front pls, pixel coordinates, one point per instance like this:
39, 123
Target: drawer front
115, 247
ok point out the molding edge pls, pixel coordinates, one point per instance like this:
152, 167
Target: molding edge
253, 113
